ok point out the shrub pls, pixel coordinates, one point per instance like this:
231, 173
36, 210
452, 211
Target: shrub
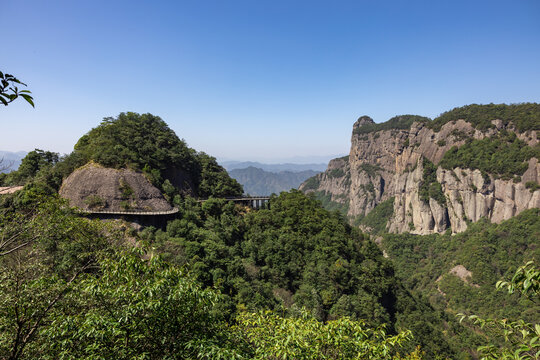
94, 201
401, 122
503, 156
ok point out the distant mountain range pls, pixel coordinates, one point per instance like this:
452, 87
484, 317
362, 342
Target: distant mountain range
257, 181
274, 168
12, 160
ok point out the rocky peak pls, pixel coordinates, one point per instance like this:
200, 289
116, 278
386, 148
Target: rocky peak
388, 161
363, 120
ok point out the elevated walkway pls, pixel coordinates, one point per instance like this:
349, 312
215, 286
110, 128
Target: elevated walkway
255, 202
127, 212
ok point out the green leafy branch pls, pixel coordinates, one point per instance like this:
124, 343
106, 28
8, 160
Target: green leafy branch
9, 91
526, 280
521, 339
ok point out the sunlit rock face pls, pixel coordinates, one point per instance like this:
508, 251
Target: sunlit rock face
95, 188
389, 163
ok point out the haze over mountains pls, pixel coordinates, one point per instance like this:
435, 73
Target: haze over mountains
289, 166
256, 181
10, 159
264, 179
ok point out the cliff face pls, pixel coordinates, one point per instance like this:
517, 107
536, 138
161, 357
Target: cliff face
392, 162
95, 188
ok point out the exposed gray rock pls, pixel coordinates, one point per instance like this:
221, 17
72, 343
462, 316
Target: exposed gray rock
93, 187
388, 163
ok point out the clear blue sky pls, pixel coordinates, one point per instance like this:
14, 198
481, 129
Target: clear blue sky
260, 80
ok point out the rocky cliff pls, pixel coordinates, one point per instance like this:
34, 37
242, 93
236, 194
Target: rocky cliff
413, 160
96, 188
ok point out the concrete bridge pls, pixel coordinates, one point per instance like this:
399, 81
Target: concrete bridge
255, 202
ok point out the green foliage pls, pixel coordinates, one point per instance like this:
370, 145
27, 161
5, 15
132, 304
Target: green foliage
312, 183
304, 337
400, 122
326, 201
335, 173
78, 297
526, 280
488, 251
9, 91
34, 162
371, 170
214, 180
44, 248
377, 218
368, 188
94, 202
133, 140
525, 116
459, 135
430, 187
144, 309
145, 142
502, 156
126, 191
520, 339
293, 254
532, 186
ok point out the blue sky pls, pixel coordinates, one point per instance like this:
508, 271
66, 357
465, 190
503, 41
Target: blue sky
260, 80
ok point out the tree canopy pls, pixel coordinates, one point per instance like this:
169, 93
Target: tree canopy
142, 142
524, 116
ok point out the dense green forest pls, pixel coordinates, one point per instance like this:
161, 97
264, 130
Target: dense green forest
397, 122
524, 116
222, 281
503, 155
489, 251
458, 273
76, 288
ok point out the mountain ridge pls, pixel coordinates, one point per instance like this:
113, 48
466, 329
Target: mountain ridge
257, 181
274, 168
402, 159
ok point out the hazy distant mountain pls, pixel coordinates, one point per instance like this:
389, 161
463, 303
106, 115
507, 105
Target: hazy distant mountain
259, 182
274, 168
12, 159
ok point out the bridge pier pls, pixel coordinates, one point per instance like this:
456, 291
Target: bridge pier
254, 202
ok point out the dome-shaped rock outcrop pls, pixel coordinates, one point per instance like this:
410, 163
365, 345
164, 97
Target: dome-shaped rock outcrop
94, 188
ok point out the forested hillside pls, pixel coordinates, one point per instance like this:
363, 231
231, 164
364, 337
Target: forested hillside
457, 274
223, 281
454, 203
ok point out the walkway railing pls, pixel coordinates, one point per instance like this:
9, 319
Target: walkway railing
147, 213
255, 202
